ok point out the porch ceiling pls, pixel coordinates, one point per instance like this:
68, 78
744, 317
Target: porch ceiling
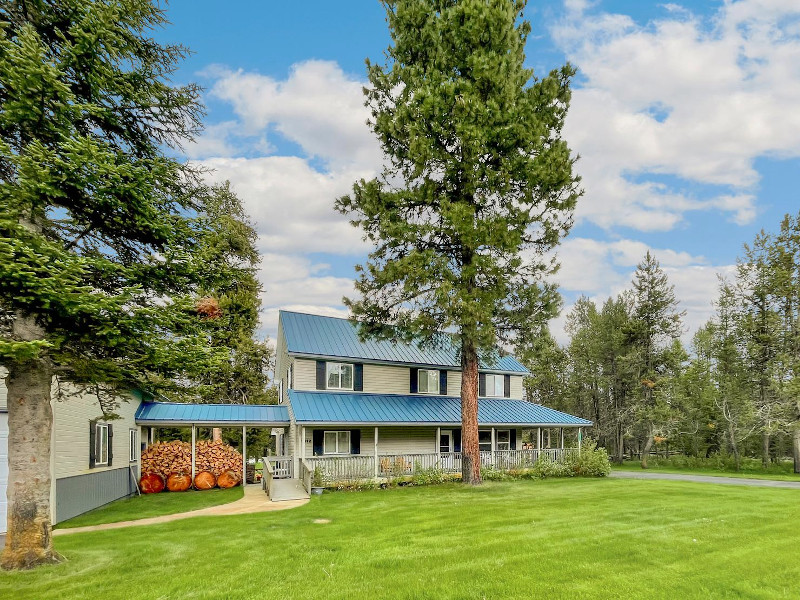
394, 409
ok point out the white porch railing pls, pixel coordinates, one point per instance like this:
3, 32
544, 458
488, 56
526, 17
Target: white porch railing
355, 468
281, 466
306, 475
343, 468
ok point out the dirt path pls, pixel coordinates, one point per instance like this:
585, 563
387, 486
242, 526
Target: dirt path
770, 483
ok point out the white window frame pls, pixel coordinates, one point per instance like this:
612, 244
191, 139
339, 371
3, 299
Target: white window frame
337, 448
497, 441
492, 389
100, 430
329, 368
480, 449
133, 437
430, 375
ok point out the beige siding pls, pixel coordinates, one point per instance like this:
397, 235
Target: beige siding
71, 426
305, 374
3, 400
516, 387
454, 383
383, 379
406, 440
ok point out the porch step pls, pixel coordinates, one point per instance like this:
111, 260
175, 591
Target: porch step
287, 489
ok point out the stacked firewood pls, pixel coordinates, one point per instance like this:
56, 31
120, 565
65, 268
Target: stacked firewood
217, 457
216, 464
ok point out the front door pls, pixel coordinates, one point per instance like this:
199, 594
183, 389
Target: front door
446, 441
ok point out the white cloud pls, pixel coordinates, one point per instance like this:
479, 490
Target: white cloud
291, 203
696, 99
318, 106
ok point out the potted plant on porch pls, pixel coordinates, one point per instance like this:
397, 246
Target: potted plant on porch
317, 484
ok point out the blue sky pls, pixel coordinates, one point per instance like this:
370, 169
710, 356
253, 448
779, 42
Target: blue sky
684, 115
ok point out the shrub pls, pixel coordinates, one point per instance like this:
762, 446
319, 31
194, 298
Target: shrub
591, 461
547, 468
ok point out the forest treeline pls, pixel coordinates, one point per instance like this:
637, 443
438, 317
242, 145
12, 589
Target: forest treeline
734, 390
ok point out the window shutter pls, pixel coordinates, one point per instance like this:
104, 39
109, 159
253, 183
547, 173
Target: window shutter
513, 439
92, 443
414, 381
317, 437
355, 441
443, 382
507, 386
322, 376
456, 440
482, 384
110, 443
358, 377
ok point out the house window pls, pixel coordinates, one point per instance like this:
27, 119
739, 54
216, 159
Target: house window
495, 385
100, 444
336, 442
133, 447
340, 376
503, 439
428, 381
485, 440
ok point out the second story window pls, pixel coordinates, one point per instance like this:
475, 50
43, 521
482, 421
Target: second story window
428, 381
495, 386
340, 376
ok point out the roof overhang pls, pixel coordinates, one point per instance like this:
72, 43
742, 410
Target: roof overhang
434, 424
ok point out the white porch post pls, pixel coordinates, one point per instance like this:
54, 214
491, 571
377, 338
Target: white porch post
376, 454
439, 445
580, 438
303, 442
244, 455
539, 438
493, 444
562, 438
194, 450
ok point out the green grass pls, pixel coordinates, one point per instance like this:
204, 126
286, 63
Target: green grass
664, 466
153, 505
570, 538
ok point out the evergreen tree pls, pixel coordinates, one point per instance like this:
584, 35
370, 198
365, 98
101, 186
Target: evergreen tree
477, 190
657, 322
98, 278
229, 243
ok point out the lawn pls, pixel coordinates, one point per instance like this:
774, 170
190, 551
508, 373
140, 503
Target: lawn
153, 505
664, 466
569, 538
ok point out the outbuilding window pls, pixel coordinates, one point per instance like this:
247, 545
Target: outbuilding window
134, 435
336, 442
101, 444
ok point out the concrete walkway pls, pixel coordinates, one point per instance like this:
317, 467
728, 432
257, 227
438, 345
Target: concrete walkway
770, 483
254, 501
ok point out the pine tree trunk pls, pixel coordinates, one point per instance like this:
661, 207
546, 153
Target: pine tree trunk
796, 449
216, 435
470, 453
765, 449
647, 445
30, 419
734, 447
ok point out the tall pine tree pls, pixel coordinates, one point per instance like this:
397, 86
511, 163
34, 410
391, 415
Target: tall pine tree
478, 186
98, 277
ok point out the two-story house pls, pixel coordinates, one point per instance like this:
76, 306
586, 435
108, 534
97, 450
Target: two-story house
392, 407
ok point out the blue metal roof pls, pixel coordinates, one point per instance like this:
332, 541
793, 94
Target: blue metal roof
329, 336
335, 407
216, 414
